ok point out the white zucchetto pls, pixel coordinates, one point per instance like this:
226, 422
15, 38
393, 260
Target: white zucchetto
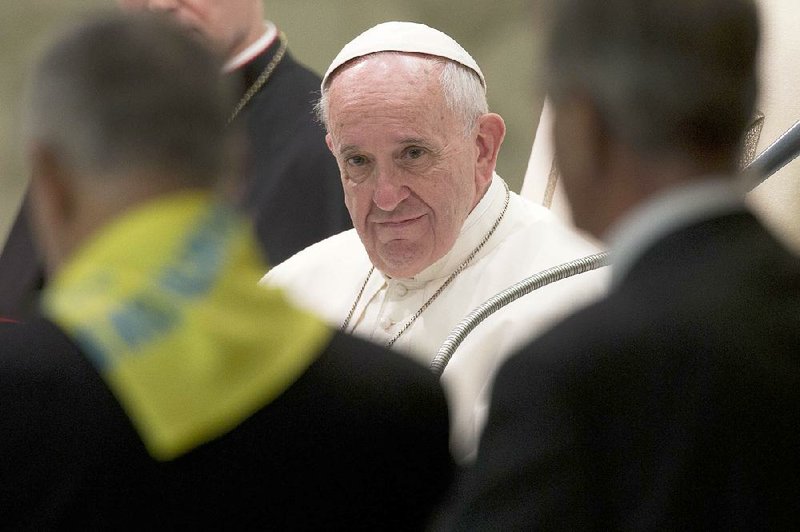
407, 37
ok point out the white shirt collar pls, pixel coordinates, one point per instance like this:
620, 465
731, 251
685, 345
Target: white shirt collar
249, 53
475, 227
667, 212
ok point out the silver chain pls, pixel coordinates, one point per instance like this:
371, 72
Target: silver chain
436, 294
358, 298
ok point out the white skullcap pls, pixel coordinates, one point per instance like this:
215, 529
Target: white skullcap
404, 37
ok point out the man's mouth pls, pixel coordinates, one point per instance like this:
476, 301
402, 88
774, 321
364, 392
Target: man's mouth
402, 222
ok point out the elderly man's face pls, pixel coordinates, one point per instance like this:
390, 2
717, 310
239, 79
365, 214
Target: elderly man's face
229, 25
408, 169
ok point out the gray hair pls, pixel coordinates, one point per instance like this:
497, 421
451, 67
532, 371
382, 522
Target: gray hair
125, 93
674, 76
462, 89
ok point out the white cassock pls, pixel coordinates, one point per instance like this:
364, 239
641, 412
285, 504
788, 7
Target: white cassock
326, 278
542, 183
778, 199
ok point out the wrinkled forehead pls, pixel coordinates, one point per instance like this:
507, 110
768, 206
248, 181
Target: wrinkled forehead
391, 98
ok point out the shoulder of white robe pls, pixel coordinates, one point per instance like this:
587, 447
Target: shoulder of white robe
778, 198
541, 183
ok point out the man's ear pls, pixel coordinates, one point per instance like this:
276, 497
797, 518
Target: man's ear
50, 175
52, 205
491, 132
329, 142
582, 145
580, 138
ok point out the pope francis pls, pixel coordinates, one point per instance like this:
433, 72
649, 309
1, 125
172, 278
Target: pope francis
436, 230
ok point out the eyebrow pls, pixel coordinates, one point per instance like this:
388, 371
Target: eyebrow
350, 148
414, 140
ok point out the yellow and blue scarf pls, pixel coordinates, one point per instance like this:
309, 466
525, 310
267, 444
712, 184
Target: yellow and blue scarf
165, 304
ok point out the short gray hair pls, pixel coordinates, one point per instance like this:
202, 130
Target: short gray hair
128, 92
666, 75
462, 89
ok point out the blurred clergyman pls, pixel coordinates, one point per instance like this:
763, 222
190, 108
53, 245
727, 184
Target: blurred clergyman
673, 403
437, 231
290, 186
162, 391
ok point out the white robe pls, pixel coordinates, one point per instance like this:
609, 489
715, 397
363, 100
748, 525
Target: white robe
327, 276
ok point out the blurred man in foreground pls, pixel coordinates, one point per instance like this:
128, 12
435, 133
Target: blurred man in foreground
437, 231
162, 391
290, 187
672, 404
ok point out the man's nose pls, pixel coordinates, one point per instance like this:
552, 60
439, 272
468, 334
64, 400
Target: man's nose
390, 189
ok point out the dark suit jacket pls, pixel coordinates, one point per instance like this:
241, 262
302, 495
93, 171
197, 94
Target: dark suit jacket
358, 442
21, 270
672, 404
291, 188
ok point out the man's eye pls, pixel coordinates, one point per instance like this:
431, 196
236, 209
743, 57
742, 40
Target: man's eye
415, 152
357, 160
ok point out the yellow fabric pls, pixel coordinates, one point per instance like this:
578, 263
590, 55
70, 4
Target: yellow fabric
164, 302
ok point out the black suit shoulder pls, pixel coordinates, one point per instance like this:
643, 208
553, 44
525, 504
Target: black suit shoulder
672, 403
359, 441
61, 426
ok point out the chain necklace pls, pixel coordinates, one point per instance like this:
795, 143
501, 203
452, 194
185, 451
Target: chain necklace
438, 292
262, 78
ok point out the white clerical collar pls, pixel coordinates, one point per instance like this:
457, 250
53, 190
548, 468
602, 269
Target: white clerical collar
249, 53
677, 208
475, 227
